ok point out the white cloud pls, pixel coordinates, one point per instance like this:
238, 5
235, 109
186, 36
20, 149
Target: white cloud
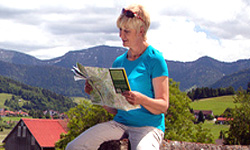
182, 30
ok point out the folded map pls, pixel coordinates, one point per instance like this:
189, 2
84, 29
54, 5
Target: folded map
104, 91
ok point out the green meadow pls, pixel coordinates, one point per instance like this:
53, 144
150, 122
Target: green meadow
3, 97
218, 105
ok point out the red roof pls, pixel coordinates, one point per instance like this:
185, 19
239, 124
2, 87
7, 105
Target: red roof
46, 131
224, 119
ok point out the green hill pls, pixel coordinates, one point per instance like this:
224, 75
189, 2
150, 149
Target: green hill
217, 104
35, 98
3, 97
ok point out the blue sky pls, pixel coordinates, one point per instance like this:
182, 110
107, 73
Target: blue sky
182, 30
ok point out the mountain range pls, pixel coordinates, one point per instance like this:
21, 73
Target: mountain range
55, 74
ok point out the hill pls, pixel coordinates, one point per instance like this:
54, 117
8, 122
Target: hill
36, 98
99, 56
205, 71
54, 78
55, 74
15, 57
236, 80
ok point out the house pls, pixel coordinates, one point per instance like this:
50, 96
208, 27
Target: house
24, 114
222, 120
35, 134
53, 113
4, 113
206, 113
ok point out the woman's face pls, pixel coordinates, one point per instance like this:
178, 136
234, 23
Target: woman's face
129, 37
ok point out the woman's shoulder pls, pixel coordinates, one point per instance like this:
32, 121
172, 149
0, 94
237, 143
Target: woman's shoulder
153, 53
119, 59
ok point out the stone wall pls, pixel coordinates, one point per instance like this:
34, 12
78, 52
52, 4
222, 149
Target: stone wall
176, 145
173, 145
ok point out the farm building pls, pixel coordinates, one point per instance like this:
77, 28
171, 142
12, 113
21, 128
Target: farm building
206, 113
222, 120
35, 134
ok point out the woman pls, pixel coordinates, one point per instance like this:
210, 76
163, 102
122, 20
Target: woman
148, 77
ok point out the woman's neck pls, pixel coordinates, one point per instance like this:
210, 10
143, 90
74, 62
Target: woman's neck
137, 51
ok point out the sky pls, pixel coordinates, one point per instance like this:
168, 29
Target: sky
183, 30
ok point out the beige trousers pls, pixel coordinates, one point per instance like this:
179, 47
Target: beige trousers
141, 138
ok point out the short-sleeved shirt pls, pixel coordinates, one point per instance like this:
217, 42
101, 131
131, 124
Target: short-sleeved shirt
140, 72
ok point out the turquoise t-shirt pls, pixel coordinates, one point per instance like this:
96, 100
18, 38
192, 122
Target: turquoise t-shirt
140, 72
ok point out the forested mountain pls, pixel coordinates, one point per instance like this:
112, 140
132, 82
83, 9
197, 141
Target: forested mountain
18, 58
55, 74
57, 79
205, 72
36, 98
237, 79
100, 56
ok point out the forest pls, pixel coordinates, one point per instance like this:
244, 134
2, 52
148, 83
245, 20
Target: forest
206, 92
35, 98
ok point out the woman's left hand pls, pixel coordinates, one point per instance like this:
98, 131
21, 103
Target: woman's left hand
133, 97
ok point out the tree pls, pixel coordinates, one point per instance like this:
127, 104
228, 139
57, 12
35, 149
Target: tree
47, 115
81, 118
179, 121
239, 130
201, 117
230, 91
248, 87
227, 113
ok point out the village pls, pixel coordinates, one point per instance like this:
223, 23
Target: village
30, 133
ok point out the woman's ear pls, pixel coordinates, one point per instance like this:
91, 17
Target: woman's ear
142, 31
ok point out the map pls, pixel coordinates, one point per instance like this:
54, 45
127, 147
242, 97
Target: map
103, 92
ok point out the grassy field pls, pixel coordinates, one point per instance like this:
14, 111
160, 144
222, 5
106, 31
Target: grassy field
78, 100
3, 97
217, 104
4, 134
215, 128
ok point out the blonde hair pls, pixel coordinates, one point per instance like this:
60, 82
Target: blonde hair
135, 23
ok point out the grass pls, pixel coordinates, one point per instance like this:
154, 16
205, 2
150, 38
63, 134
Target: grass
215, 128
3, 134
3, 97
217, 104
78, 99
13, 118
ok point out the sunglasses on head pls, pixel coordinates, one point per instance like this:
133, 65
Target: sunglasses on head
131, 14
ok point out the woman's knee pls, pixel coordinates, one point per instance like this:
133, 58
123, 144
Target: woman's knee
75, 145
70, 146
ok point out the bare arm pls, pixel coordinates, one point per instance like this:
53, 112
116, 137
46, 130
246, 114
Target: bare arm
88, 88
156, 105
110, 110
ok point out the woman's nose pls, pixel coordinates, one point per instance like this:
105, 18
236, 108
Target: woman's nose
121, 34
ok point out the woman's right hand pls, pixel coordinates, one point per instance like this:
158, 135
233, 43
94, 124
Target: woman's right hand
88, 88
110, 109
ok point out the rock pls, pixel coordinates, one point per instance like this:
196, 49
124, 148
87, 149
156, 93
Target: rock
172, 145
